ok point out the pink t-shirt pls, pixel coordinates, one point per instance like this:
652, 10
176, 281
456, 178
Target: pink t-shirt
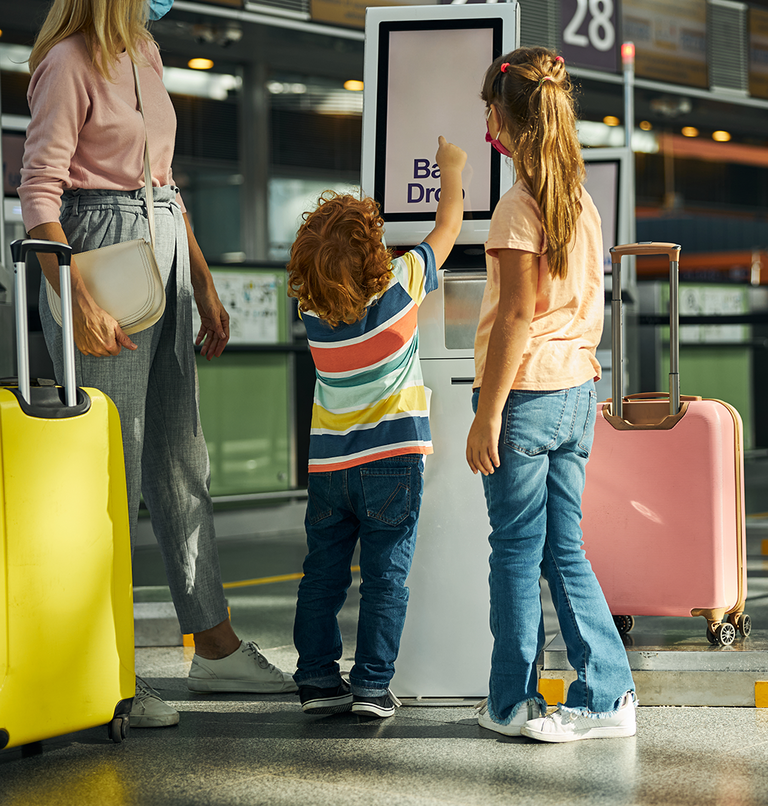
568, 318
87, 132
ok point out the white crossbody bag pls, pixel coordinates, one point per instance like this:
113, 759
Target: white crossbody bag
123, 278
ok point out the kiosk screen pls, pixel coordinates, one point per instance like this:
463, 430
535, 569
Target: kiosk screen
429, 80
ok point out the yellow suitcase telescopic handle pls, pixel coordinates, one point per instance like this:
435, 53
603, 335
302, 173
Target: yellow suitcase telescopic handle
19, 251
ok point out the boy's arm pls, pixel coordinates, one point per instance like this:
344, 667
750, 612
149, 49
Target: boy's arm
450, 209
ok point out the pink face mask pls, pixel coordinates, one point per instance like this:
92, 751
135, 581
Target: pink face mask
494, 141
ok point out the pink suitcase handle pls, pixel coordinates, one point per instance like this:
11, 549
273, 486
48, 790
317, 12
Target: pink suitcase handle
672, 250
657, 395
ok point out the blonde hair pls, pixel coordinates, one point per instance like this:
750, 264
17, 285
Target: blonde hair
533, 93
109, 27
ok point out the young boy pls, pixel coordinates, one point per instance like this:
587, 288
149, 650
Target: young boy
370, 431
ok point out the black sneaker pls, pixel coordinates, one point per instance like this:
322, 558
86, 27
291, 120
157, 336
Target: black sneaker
325, 700
377, 707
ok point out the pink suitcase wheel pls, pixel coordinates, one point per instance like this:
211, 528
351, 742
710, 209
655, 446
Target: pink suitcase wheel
624, 624
722, 635
742, 622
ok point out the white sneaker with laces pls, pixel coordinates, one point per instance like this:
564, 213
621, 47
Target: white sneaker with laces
566, 725
525, 713
149, 710
245, 670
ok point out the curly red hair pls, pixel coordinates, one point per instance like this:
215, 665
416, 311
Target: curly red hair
338, 260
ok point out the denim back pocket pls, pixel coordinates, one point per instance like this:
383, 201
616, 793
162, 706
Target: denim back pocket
587, 438
532, 420
387, 493
318, 497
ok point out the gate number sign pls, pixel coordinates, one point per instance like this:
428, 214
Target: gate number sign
589, 33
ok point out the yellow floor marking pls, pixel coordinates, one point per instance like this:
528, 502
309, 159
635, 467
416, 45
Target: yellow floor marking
552, 689
761, 694
246, 583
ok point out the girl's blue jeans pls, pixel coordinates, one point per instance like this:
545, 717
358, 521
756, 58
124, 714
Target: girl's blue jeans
534, 506
378, 504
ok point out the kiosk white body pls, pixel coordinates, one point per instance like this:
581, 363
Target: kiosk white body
447, 642
423, 73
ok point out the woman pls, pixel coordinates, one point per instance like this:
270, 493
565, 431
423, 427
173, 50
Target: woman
83, 184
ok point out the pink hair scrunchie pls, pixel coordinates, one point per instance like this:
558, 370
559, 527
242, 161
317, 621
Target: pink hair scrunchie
504, 66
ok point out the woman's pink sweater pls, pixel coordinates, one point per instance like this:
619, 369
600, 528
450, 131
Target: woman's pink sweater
87, 132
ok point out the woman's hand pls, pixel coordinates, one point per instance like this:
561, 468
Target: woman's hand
483, 445
96, 332
214, 319
214, 323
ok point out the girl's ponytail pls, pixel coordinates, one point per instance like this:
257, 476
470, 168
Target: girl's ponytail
533, 93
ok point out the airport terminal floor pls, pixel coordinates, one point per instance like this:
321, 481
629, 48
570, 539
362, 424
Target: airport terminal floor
261, 749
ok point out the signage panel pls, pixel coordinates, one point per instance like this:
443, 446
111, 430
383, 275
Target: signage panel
351, 13
758, 52
670, 39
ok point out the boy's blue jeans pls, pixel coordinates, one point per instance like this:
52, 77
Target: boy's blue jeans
534, 506
377, 503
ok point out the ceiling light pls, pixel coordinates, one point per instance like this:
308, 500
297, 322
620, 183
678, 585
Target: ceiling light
200, 64
721, 136
353, 85
610, 120
646, 125
690, 131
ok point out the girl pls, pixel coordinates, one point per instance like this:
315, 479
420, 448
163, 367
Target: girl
534, 401
370, 432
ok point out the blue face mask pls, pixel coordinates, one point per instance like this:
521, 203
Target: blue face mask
159, 8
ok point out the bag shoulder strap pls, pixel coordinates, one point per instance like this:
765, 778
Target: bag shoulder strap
147, 165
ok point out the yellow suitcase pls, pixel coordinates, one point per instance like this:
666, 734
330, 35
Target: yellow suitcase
66, 601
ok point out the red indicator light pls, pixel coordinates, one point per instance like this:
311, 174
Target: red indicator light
628, 53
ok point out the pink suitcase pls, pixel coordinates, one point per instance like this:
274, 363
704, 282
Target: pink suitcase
663, 506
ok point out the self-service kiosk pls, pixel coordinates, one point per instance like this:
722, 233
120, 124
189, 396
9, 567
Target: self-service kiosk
423, 73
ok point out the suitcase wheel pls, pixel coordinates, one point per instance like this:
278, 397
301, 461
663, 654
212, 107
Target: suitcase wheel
742, 622
723, 634
118, 728
624, 624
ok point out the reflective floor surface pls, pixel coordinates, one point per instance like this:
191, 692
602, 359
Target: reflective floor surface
254, 749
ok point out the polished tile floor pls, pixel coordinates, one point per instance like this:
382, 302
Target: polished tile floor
251, 749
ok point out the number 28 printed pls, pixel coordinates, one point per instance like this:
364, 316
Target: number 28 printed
601, 34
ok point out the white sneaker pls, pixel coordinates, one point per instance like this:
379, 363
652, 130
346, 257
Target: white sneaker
566, 725
149, 710
245, 670
525, 713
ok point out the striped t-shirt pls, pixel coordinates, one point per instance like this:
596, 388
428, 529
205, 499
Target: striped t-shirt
369, 393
